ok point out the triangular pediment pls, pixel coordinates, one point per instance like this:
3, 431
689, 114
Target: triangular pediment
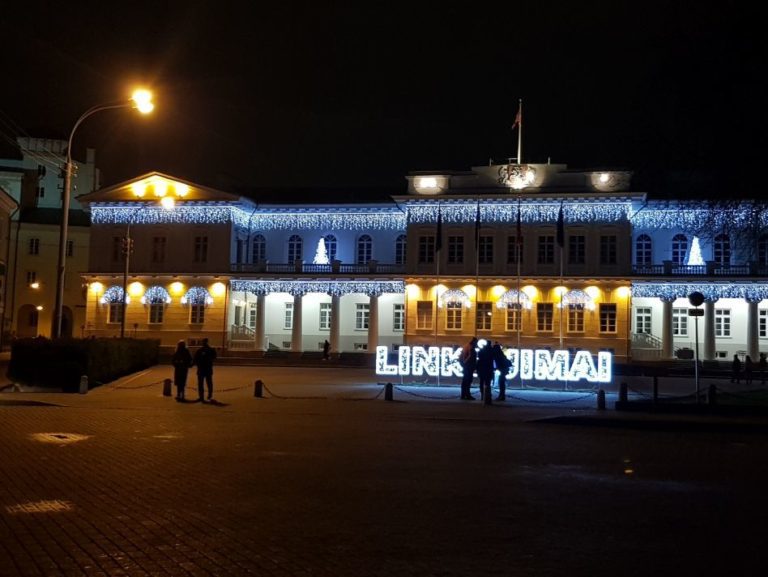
156, 185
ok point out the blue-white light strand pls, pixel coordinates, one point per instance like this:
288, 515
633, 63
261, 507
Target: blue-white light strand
335, 288
156, 295
748, 291
197, 295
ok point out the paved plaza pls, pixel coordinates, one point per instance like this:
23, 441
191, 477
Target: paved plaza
323, 476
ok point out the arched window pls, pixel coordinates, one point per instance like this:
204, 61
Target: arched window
197, 298
295, 245
679, 249
722, 252
364, 249
400, 249
330, 246
258, 249
762, 250
643, 250
156, 297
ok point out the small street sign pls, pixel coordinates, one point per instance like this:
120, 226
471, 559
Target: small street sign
695, 312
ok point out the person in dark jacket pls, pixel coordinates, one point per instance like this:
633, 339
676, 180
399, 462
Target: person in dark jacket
203, 359
736, 370
485, 368
468, 362
181, 361
502, 364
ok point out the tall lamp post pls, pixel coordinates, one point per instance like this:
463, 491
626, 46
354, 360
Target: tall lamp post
142, 101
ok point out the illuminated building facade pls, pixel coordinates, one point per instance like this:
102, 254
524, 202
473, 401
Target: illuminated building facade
534, 256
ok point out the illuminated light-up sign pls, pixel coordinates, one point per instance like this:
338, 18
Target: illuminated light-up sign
529, 364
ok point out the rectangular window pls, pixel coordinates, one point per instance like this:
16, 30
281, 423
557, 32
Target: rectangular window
31, 276
484, 315
156, 311
544, 317
643, 320
762, 323
325, 316
514, 318
608, 249
575, 319
197, 314
158, 248
514, 250
426, 249
424, 315
288, 317
252, 309
70, 247
201, 249
577, 249
398, 317
115, 313
453, 316
722, 323
546, 249
40, 192
680, 322
455, 249
608, 318
34, 246
362, 314
485, 250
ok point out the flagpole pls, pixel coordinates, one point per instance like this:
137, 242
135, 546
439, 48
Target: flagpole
518, 256
561, 243
438, 250
519, 121
477, 259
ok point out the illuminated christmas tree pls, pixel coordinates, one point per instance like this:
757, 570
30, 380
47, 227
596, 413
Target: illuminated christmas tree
321, 255
694, 257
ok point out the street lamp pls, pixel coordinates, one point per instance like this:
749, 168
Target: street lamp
141, 100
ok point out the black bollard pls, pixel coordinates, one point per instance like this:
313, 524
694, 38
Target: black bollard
388, 388
655, 389
258, 389
487, 400
623, 396
712, 395
601, 400
167, 387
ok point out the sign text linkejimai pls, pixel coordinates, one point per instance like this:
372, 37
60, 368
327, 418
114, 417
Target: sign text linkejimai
540, 365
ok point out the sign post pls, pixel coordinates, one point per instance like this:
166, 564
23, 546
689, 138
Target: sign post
696, 299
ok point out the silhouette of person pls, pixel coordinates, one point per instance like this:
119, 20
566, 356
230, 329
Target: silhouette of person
736, 370
181, 361
326, 350
762, 365
502, 364
203, 359
468, 361
748, 366
485, 368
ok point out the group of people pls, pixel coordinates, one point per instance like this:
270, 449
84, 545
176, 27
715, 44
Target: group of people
485, 361
749, 369
203, 359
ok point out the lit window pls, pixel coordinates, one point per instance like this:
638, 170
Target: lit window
398, 317
483, 316
362, 312
453, 316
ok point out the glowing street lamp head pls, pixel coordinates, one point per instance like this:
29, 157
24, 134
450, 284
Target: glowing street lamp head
142, 100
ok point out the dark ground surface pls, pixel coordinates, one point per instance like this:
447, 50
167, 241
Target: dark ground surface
333, 480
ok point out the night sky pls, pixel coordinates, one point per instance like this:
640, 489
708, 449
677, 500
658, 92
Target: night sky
357, 94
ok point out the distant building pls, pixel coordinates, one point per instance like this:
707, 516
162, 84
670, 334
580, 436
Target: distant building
534, 256
34, 179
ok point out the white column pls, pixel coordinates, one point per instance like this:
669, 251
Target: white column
260, 316
667, 339
296, 332
373, 324
753, 342
335, 323
709, 329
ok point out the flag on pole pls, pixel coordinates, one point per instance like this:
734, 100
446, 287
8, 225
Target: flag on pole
439, 231
518, 118
560, 227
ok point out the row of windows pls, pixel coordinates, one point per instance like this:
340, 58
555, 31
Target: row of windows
363, 249
156, 313
680, 322
545, 316
33, 247
158, 249
362, 316
576, 249
721, 249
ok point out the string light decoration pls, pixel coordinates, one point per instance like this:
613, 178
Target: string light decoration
691, 217
155, 295
517, 176
454, 296
695, 258
333, 288
514, 297
711, 291
465, 212
187, 213
114, 294
577, 297
197, 295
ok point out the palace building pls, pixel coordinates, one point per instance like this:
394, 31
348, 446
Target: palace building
535, 256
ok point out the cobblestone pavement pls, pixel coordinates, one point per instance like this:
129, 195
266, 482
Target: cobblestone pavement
323, 477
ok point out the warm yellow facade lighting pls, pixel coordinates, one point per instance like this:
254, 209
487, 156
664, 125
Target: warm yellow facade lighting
218, 289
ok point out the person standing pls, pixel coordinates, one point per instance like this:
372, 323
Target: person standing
203, 359
485, 369
762, 366
502, 364
736, 370
468, 361
748, 370
181, 361
326, 350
